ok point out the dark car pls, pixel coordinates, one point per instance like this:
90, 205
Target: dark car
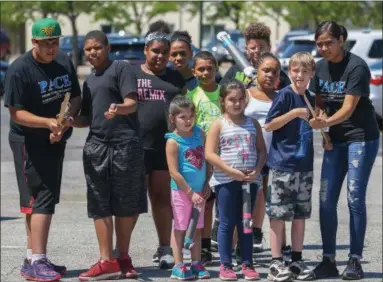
127, 48
3, 69
5, 46
285, 40
66, 45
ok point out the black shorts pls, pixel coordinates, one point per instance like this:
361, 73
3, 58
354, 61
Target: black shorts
115, 177
155, 160
38, 166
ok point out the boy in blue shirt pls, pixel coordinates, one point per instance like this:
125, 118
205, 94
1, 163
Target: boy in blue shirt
290, 159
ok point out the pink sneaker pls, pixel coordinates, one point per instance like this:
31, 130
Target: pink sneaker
226, 273
249, 273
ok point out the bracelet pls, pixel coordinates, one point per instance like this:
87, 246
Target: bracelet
190, 192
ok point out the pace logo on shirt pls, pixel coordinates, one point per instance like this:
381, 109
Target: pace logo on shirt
334, 90
146, 92
53, 89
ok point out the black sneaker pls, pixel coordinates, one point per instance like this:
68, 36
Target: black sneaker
257, 240
214, 236
325, 269
206, 257
353, 270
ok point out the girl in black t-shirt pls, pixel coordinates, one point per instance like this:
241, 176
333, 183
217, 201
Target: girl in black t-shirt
157, 85
342, 87
180, 55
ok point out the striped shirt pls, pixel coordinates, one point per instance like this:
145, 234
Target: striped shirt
237, 148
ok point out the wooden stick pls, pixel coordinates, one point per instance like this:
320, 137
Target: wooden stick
64, 106
324, 134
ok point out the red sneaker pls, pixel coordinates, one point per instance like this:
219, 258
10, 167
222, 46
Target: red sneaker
249, 273
226, 273
106, 270
127, 267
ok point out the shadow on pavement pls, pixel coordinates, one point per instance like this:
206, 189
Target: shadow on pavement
5, 218
319, 247
74, 273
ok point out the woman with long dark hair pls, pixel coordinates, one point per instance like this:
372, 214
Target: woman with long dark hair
342, 92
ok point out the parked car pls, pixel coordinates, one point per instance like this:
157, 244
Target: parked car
5, 46
376, 90
127, 48
66, 45
282, 45
220, 53
3, 69
367, 44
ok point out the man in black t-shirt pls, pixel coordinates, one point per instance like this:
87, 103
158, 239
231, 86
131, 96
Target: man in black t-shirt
35, 86
113, 157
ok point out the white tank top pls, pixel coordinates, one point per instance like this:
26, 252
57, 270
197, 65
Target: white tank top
258, 110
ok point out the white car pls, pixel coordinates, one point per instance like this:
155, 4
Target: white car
367, 44
376, 90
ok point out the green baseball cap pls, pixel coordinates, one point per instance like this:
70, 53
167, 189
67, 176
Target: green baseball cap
46, 28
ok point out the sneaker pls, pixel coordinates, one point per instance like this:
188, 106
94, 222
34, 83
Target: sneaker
58, 268
286, 254
106, 270
226, 273
353, 271
199, 271
44, 271
278, 271
27, 270
257, 240
301, 271
206, 257
127, 268
249, 273
166, 260
326, 268
214, 236
181, 272
156, 256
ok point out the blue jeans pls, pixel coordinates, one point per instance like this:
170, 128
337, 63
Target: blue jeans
229, 196
355, 159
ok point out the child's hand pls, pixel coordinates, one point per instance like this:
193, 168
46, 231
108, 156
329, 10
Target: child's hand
318, 123
197, 199
111, 113
238, 175
253, 175
302, 113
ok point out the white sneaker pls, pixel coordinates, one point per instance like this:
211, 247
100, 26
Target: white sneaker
279, 272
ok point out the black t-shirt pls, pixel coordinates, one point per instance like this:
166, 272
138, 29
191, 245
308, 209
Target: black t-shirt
235, 72
332, 81
154, 96
102, 89
39, 89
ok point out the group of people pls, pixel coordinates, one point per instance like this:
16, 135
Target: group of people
167, 130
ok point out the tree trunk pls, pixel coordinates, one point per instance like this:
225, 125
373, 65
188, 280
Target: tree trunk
72, 17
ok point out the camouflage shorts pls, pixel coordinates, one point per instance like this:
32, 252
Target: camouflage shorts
289, 195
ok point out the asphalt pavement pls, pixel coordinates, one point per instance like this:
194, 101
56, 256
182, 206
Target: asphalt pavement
73, 242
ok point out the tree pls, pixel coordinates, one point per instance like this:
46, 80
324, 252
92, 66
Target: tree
124, 14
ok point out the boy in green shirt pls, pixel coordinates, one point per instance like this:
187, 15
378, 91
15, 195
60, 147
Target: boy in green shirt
205, 97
